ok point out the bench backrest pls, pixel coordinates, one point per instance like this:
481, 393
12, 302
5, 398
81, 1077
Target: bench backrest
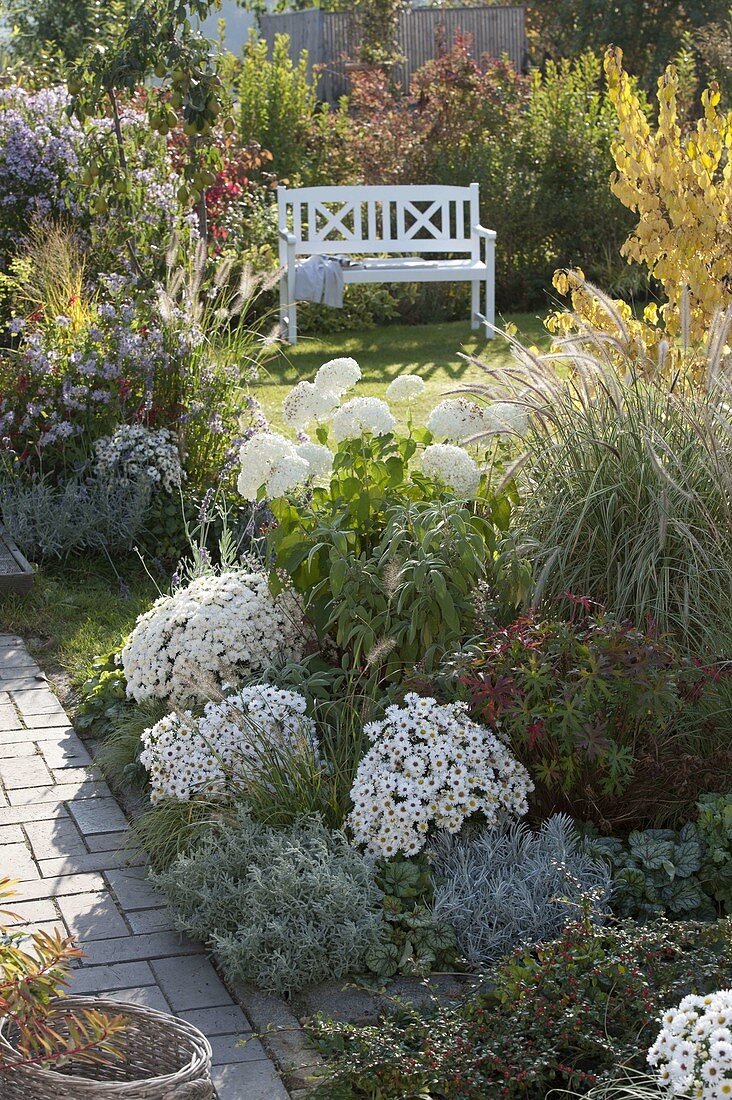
362, 220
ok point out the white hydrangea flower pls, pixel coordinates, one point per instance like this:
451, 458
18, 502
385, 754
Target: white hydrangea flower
269, 460
306, 403
431, 766
361, 415
405, 389
506, 417
692, 1054
456, 420
216, 753
134, 452
217, 630
337, 376
453, 466
318, 458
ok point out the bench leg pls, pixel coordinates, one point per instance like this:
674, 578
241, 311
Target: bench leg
475, 306
292, 323
283, 305
490, 305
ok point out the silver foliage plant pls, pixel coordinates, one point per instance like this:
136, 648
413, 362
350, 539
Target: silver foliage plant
283, 908
50, 520
506, 887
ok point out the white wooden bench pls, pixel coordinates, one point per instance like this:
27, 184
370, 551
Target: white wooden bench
411, 225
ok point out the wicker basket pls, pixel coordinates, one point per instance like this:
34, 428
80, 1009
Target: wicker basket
163, 1058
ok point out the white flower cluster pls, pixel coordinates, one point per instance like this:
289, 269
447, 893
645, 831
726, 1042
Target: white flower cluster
693, 1051
360, 415
405, 389
215, 630
187, 756
318, 457
269, 460
453, 466
458, 419
430, 765
136, 452
316, 400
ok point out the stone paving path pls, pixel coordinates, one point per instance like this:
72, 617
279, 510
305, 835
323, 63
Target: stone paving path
61, 833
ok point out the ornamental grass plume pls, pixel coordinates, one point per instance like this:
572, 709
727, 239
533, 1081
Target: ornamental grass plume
626, 491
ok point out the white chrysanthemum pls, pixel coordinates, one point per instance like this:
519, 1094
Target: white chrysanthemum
506, 417
135, 452
270, 460
453, 466
405, 389
431, 766
361, 415
306, 403
218, 752
215, 631
692, 1053
456, 420
318, 458
337, 376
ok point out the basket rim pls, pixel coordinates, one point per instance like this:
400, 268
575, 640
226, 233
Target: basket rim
200, 1059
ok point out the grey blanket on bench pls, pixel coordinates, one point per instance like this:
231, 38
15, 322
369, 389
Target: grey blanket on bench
320, 279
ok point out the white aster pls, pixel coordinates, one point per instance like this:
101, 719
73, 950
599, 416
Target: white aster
136, 452
217, 630
223, 748
405, 389
453, 466
362, 415
420, 755
692, 1054
269, 460
337, 376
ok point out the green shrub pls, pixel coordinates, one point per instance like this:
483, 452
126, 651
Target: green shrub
282, 908
658, 873
566, 1015
715, 829
595, 709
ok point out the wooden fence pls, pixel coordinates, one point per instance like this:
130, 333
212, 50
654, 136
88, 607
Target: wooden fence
331, 38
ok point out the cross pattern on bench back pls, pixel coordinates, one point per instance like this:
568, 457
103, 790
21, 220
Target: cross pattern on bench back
384, 219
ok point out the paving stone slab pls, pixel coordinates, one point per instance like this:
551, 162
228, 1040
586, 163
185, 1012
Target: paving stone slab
230, 1048
156, 945
17, 862
226, 1020
101, 816
16, 656
23, 773
57, 719
107, 842
133, 890
92, 916
19, 669
11, 834
105, 979
190, 983
17, 750
10, 639
32, 912
149, 996
34, 698
59, 793
90, 861
142, 921
45, 811
61, 887
65, 751
55, 839
9, 719
248, 1081
20, 684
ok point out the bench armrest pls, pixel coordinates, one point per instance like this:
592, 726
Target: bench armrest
490, 234
290, 238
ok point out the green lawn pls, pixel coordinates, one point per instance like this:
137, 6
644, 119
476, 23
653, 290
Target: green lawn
77, 611
431, 351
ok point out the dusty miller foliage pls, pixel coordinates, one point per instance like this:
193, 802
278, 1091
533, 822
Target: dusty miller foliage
506, 887
52, 521
283, 908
